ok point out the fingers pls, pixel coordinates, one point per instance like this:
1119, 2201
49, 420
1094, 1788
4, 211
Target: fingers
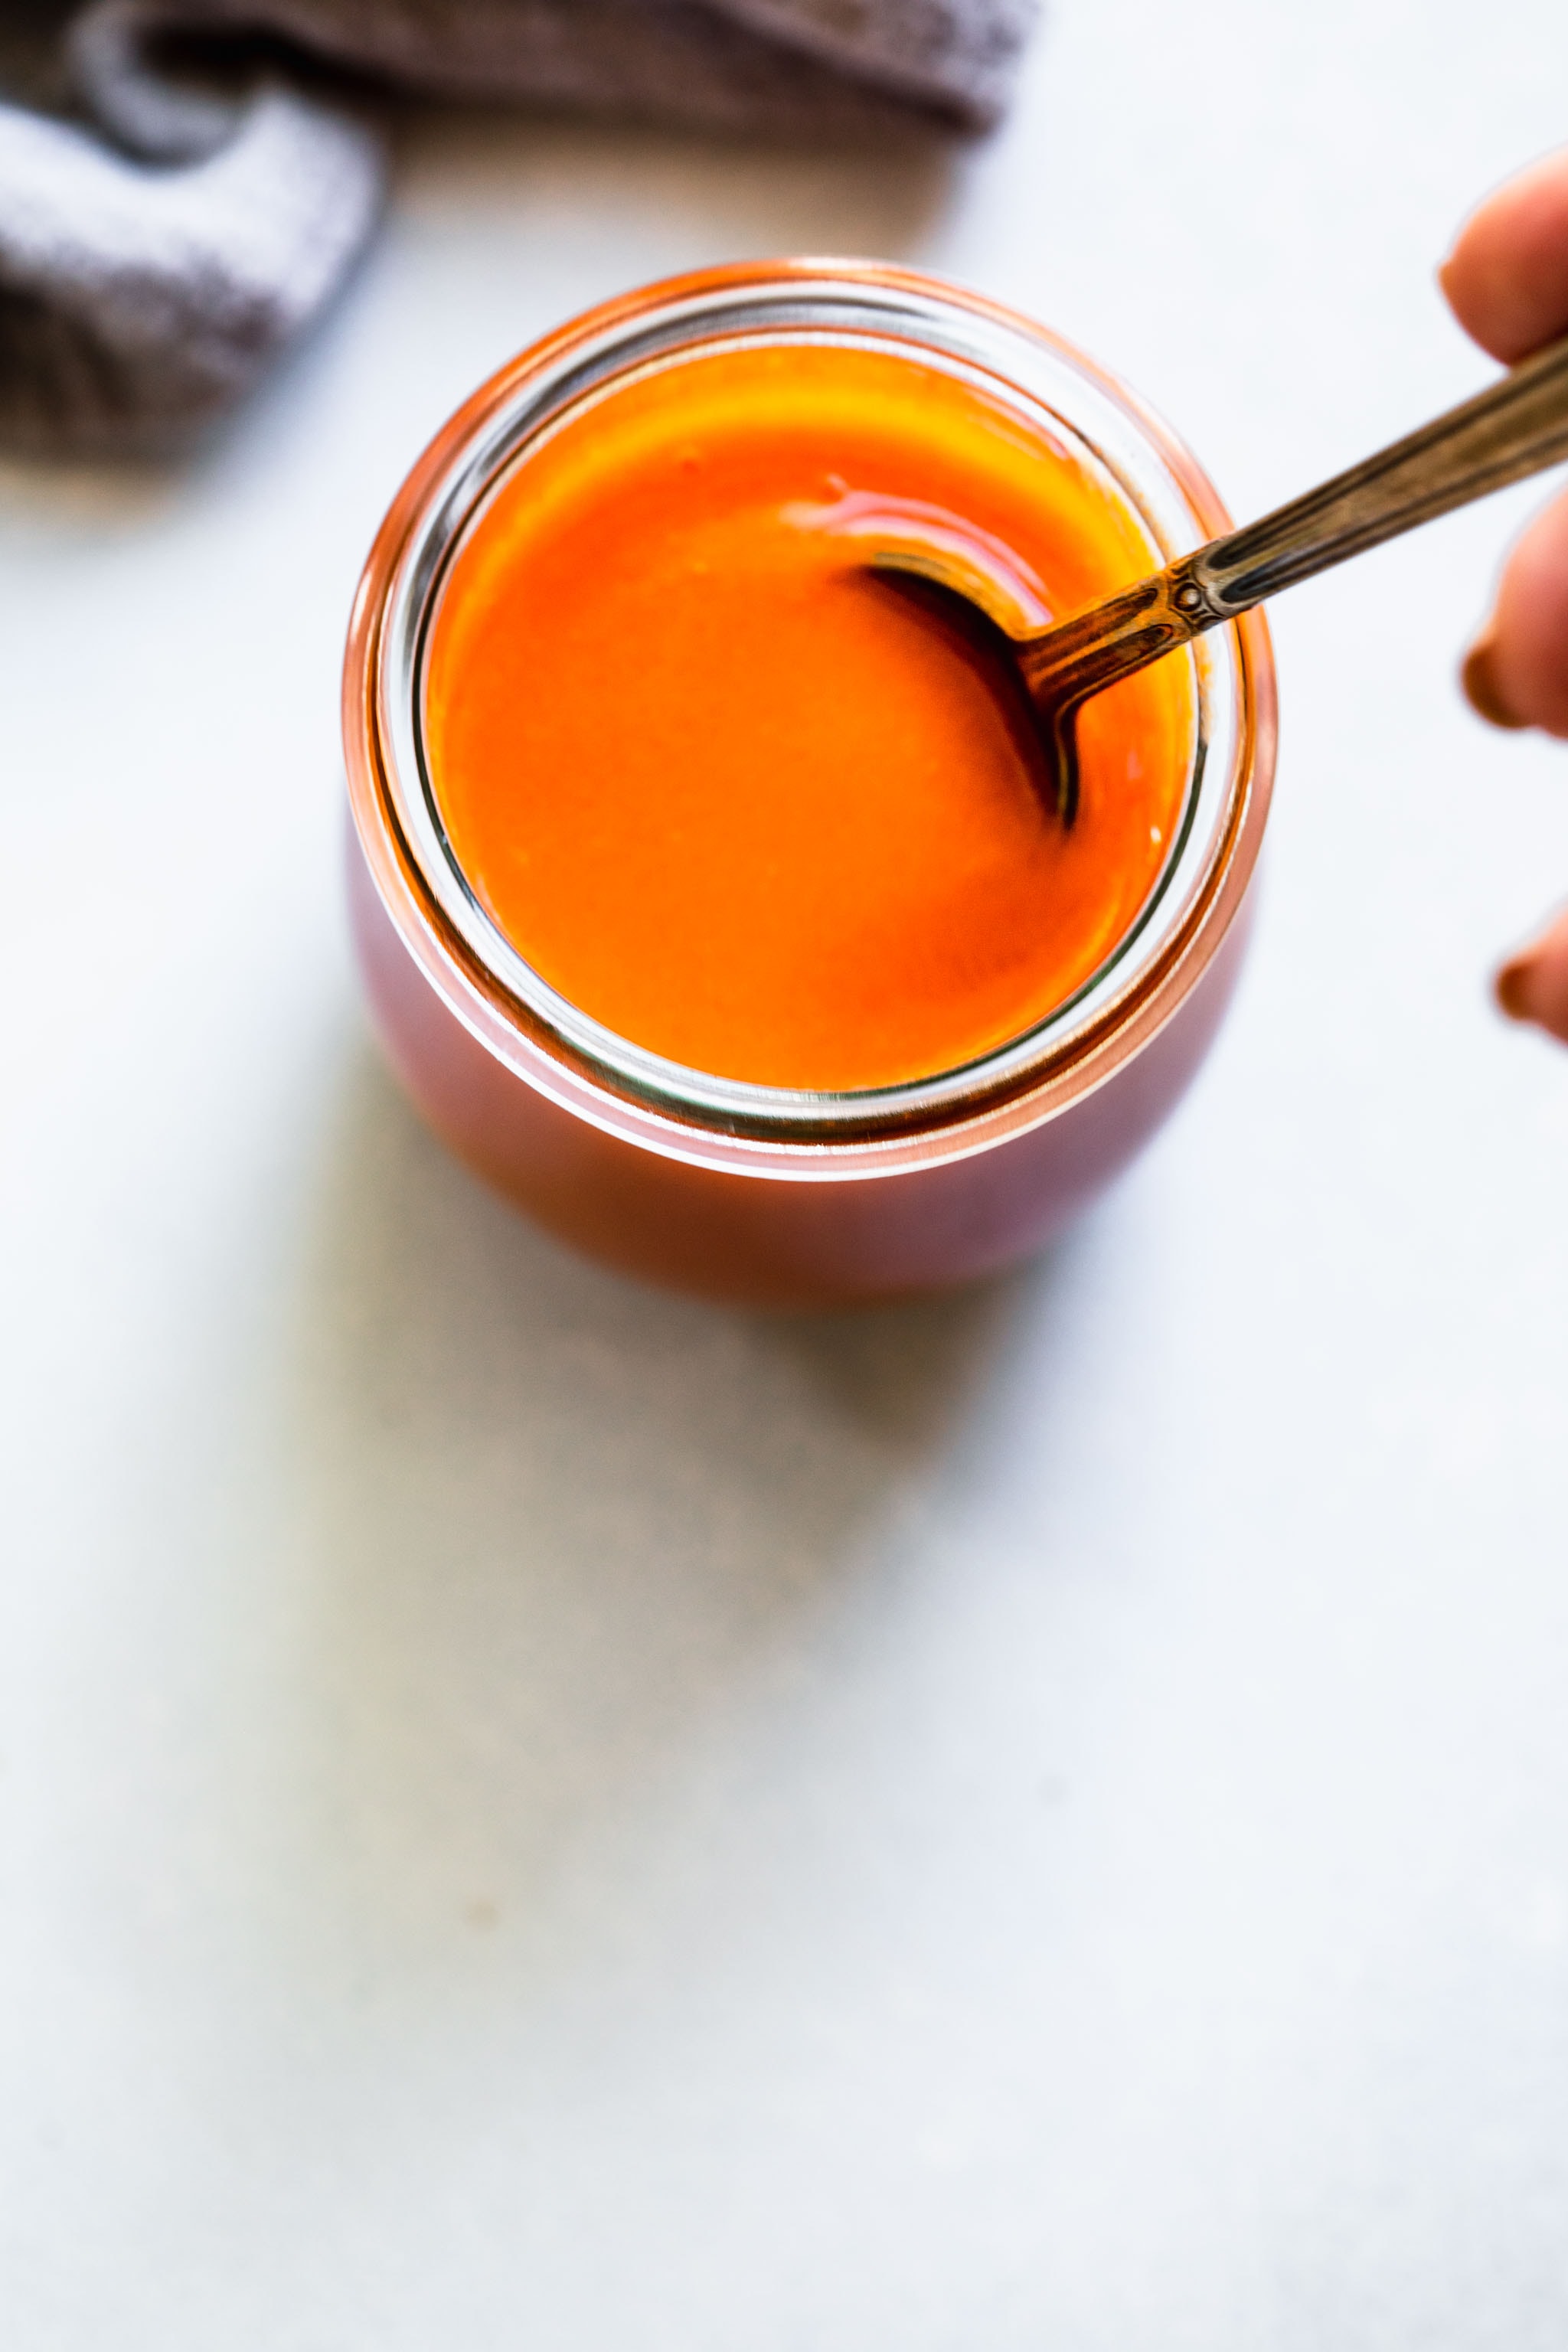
1516, 674
1507, 277
1533, 984
1506, 283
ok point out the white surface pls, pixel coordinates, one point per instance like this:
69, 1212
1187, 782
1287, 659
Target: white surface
539, 1814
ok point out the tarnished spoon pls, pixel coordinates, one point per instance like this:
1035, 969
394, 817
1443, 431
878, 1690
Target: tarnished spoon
1515, 429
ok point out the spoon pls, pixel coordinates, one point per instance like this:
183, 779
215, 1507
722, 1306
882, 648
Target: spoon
1516, 427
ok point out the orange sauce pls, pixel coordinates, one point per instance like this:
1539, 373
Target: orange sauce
729, 796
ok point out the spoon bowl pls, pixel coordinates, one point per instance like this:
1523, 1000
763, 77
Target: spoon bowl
1042, 678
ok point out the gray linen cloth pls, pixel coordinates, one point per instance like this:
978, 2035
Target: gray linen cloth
184, 183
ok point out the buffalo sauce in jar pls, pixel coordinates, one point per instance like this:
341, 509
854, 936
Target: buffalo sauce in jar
728, 794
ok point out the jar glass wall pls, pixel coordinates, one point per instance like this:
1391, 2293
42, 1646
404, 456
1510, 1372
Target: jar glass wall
759, 1190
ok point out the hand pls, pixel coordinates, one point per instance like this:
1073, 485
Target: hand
1507, 283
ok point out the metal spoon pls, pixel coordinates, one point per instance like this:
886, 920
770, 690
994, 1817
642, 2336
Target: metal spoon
1515, 429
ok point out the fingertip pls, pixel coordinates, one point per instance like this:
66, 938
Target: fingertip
1533, 985
1506, 274
1522, 672
1482, 687
1510, 987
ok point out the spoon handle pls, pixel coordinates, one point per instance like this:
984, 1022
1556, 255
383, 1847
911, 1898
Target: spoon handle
1516, 427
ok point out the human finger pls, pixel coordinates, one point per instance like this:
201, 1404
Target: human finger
1507, 277
1516, 674
1534, 984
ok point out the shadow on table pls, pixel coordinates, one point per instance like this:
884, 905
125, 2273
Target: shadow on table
562, 1522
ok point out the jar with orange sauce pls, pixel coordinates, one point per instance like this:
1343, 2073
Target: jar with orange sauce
703, 895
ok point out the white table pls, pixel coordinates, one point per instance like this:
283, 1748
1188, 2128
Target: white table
539, 1814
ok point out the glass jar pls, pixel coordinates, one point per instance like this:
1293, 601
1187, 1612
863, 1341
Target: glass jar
761, 1192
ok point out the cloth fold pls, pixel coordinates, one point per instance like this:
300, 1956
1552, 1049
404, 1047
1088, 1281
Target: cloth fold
195, 189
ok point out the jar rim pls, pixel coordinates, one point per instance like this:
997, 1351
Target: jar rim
491, 986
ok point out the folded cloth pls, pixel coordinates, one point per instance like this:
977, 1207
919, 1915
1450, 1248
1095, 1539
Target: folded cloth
161, 237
